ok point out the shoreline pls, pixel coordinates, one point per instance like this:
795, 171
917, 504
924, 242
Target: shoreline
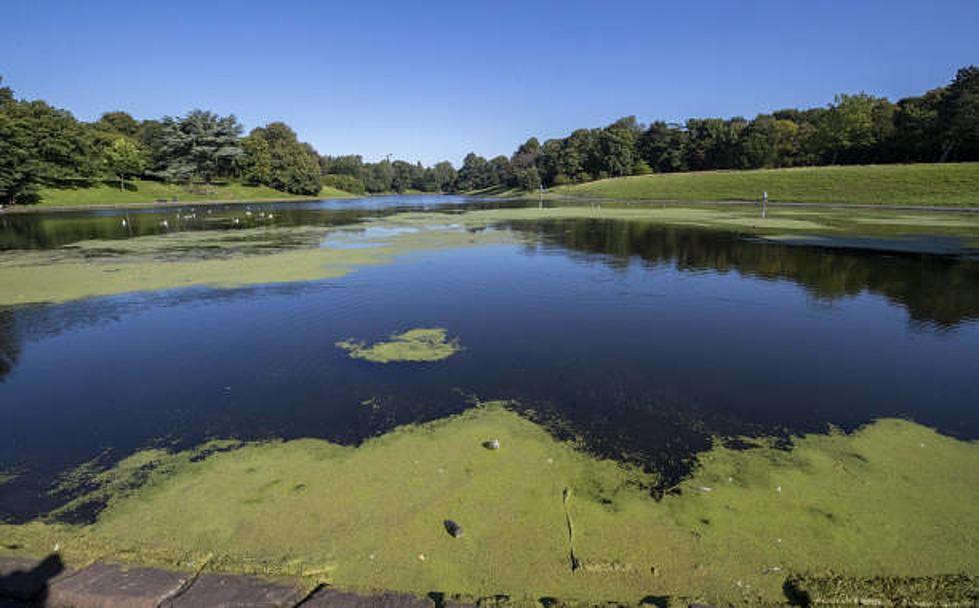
553, 198
18, 209
965, 208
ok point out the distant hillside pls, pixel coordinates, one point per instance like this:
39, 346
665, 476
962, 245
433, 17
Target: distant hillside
954, 185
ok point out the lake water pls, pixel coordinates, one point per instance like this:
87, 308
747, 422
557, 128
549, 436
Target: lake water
642, 341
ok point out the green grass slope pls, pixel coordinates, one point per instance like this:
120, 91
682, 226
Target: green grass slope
138, 191
940, 185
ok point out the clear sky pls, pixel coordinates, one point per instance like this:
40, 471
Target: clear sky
434, 80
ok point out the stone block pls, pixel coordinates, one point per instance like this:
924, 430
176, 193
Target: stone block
331, 598
228, 591
109, 586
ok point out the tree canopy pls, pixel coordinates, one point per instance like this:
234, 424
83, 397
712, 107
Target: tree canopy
41, 145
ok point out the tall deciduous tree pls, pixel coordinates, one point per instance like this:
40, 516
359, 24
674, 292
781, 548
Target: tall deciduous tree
19, 170
294, 166
123, 158
255, 163
959, 115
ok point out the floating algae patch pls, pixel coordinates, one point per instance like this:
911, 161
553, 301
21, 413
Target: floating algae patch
414, 345
220, 259
544, 519
8, 475
744, 219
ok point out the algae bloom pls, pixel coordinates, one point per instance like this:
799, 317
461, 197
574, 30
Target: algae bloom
415, 345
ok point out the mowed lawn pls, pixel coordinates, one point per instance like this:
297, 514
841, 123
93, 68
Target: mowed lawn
953, 184
138, 191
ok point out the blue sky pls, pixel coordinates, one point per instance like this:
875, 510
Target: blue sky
434, 80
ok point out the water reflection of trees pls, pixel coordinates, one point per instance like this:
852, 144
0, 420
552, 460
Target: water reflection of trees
49, 230
9, 343
933, 289
55, 230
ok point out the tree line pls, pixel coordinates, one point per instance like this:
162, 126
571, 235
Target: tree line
940, 126
41, 145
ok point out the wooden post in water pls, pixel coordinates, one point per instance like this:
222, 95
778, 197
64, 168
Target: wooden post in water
764, 204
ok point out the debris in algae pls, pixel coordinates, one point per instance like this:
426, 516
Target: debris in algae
493, 444
454, 529
701, 488
575, 562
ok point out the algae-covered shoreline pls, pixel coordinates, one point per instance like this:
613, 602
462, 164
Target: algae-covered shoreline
891, 499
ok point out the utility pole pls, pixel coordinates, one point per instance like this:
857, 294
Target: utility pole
540, 197
764, 204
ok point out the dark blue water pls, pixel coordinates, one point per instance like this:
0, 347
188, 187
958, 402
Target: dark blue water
643, 341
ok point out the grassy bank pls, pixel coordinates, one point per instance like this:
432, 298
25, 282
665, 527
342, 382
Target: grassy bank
139, 191
539, 518
940, 185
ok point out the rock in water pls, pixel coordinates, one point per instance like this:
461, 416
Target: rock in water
492, 444
454, 529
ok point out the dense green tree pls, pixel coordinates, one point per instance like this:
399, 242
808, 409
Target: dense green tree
402, 176
958, 116
768, 142
62, 147
124, 157
917, 134
200, 145
6, 94
714, 143
294, 166
255, 163
853, 126
475, 174
352, 165
443, 176
501, 172
347, 183
380, 177
663, 146
616, 146
119, 123
19, 169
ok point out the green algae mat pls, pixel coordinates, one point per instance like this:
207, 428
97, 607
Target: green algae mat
415, 345
540, 517
227, 259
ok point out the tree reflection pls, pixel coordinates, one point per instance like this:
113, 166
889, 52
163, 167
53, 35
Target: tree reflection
933, 289
9, 343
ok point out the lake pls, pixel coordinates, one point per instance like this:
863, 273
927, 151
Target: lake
641, 342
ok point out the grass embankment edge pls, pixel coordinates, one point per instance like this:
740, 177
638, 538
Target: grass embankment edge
148, 194
948, 185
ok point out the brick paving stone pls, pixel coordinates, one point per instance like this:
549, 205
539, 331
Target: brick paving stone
331, 598
109, 586
226, 591
26, 578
